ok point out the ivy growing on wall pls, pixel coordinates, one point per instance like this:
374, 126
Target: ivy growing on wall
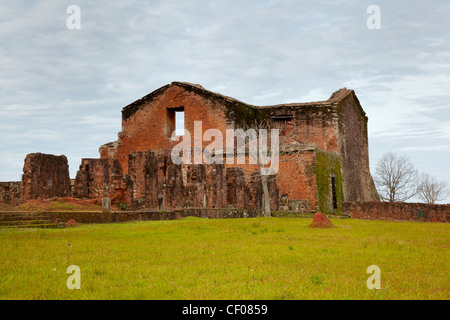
328, 165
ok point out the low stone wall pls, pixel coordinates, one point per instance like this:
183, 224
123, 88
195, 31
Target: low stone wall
11, 192
183, 213
397, 211
125, 216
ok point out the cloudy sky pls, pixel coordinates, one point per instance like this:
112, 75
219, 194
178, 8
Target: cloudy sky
62, 90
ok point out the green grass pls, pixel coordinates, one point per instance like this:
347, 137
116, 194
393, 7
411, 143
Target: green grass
260, 258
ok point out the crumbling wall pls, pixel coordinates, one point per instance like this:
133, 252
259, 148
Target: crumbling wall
237, 190
335, 126
328, 171
45, 176
315, 123
216, 195
256, 194
358, 183
159, 183
148, 123
11, 192
397, 211
143, 169
296, 181
99, 178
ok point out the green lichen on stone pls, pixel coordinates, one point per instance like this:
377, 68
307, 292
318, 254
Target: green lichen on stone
328, 165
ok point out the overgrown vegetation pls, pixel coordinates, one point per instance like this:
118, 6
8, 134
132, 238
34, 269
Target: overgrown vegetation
327, 164
258, 258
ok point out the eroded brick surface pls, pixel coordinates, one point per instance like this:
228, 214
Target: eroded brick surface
98, 178
11, 192
397, 211
45, 176
138, 169
335, 126
159, 183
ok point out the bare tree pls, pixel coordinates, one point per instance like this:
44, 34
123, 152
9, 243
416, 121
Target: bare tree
286, 147
396, 178
430, 190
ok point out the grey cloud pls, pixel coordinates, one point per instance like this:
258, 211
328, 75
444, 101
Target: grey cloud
62, 90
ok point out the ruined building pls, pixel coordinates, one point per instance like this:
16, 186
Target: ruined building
335, 167
137, 167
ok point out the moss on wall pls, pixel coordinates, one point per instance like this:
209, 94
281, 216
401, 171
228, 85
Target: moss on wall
328, 165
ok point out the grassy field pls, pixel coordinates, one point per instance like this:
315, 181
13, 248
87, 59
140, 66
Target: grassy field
260, 258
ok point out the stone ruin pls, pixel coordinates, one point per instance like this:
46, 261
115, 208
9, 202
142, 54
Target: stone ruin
154, 181
137, 169
45, 176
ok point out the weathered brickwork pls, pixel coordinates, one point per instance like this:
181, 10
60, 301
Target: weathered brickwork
137, 169
11, 192
397, 211
298, 181
148, 123
159, 183
237, 189
98, 178
354, 150
143, 169
45, 176
255, 194
334, 169
125, 216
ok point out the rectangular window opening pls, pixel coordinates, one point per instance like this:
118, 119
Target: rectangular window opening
333, 191
175, 121
179, 123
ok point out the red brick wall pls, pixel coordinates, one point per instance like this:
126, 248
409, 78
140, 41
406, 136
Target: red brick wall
125, 216
150, 127
311, 124
143, 167
154, 176
99, 178
354, 149
298, 180
397, 211
337, 125
11, 192
45, 176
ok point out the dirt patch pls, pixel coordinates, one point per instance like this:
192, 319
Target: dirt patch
321, 221
71, 223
